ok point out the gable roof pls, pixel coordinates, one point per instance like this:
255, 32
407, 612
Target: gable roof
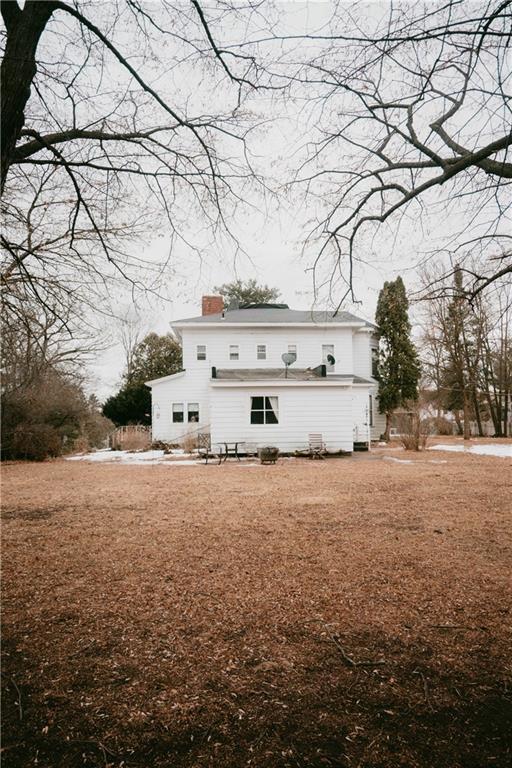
275, 315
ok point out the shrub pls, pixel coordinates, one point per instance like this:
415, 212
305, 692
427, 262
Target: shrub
189, 443
131, 439
414, 437
81, 445
36, 442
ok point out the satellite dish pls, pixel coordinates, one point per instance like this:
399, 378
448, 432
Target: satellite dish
330, 360
288, 358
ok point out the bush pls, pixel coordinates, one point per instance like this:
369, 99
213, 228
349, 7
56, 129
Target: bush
189, 443
36, 442
414, 437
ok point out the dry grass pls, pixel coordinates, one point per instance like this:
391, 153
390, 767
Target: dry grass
217, 616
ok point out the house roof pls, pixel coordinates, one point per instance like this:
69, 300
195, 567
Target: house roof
293, 374
274, 314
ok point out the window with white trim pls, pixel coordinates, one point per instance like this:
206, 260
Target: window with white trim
370, 410
201, 351
328, 356
193, 412
264, 410
292, 349
261, 352
234, 352
177, 412
156, 411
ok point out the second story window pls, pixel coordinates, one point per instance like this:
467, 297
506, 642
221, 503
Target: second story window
328, 356
177, 412
201, 351
233, 352
261, 352
292, 349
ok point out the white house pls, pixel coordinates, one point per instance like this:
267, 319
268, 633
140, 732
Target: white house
236, 386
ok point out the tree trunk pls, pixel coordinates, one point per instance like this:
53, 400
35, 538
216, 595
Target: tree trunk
24, 29
467, 425
476, 406
389, 414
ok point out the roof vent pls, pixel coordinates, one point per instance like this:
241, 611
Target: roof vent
264, 305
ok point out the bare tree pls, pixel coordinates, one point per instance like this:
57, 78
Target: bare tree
107, 136
411, 104
467, 353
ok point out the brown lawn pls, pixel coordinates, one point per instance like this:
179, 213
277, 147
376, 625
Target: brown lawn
350, 612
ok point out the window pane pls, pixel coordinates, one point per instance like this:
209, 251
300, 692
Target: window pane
256, 403
177, 412
233, 352
261, 352
201, 352
257, 417
193, 411
271, 410
292, 348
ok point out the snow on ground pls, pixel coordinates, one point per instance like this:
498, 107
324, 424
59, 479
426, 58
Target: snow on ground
502, 450
410, 461
146, 458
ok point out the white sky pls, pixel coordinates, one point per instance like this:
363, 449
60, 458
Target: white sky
273, 235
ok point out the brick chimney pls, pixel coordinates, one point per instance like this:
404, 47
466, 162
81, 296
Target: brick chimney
212, 305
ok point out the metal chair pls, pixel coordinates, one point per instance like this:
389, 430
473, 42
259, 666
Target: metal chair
204, 446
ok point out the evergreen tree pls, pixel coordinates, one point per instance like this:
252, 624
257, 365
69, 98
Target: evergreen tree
398, 369
248, 292
155, 356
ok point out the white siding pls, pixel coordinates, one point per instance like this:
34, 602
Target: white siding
309, 343
337, 412
362, 354
185, 389
302, 410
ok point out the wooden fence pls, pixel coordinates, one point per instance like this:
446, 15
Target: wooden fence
130, 437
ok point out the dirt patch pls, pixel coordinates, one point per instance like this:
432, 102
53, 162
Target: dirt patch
306, 614
14, 513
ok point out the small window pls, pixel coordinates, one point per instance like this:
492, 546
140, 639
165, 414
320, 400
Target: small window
193, 411
201, 352
177, 412
156, 411
261, 352
375, 362
233, 352
370, 410
292, 349
264, 410
328, 356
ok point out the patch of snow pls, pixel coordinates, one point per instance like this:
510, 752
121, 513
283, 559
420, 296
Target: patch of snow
419, 461
501, 450
129, 457
146, 458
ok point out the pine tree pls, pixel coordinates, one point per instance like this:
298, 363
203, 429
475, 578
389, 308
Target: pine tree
398, 369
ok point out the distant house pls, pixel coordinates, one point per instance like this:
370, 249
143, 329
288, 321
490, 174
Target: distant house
236, 385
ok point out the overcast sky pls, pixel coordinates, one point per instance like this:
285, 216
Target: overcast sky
272, 230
